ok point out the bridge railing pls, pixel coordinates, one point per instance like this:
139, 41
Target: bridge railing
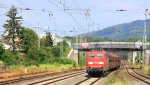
90, 45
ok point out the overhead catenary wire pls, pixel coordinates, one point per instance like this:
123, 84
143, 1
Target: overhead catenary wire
64, 11
60, 4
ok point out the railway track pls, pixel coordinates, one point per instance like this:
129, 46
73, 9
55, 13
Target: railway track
141, 74
88, 81
22, 79
27, 78
138, 76
56, 79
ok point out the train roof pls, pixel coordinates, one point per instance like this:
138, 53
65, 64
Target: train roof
96, 52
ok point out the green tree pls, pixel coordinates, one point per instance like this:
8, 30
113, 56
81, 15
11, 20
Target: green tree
29, 39
56, 51
2, 50
9, 58
43, 42
13, 25
63, 44
49, 41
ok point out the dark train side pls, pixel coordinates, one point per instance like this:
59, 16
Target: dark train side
98, 62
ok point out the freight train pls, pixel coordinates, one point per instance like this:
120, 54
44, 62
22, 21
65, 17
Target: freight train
98, 62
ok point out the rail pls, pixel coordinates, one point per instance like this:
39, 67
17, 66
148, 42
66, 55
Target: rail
143, 79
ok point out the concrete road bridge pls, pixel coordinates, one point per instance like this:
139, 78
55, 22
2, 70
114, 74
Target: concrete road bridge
121, 46
133, 49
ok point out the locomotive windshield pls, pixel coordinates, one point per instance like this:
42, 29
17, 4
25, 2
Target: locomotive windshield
92, 56
99, 55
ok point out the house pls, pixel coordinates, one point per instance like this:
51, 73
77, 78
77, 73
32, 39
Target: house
6, 46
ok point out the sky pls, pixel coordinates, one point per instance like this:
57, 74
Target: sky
71, 17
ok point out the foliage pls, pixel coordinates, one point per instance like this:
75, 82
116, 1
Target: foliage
9, 58
43, 56
64, 43
146, 69
56, 51
46, 41
43, 42
123, 31
67, 51
38, 56
13, 25
67, 61
54, 67
29, 39
82, 59
117, 81
149, 71
137, 65
2, 50
34, 55
49, 41
1, 63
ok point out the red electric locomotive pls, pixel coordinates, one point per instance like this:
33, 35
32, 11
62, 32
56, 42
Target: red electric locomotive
98, 62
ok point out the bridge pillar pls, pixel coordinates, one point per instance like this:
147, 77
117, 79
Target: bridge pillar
140, 57
129, 56
134, 55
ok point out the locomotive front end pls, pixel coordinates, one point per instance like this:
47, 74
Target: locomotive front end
95, 62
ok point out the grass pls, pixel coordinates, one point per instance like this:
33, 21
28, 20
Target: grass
145, 68
43, 67
56, 67
117, 80
137, 65
18, 70
1, 63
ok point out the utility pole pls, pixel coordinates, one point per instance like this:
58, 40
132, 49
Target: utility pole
145, 27
75, 30
62, 44
145, 36
38, 35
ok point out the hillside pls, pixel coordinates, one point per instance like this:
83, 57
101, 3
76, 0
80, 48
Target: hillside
123, 31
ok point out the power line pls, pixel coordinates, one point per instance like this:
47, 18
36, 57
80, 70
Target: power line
64, 11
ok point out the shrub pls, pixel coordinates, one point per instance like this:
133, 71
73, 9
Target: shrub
67, 52
67, 61
82, 59
2, 51
1, 63
55, 51
116, 81
9, 58
149, 71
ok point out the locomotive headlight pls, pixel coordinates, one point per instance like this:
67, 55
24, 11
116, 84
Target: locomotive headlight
101, 62
90, 62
